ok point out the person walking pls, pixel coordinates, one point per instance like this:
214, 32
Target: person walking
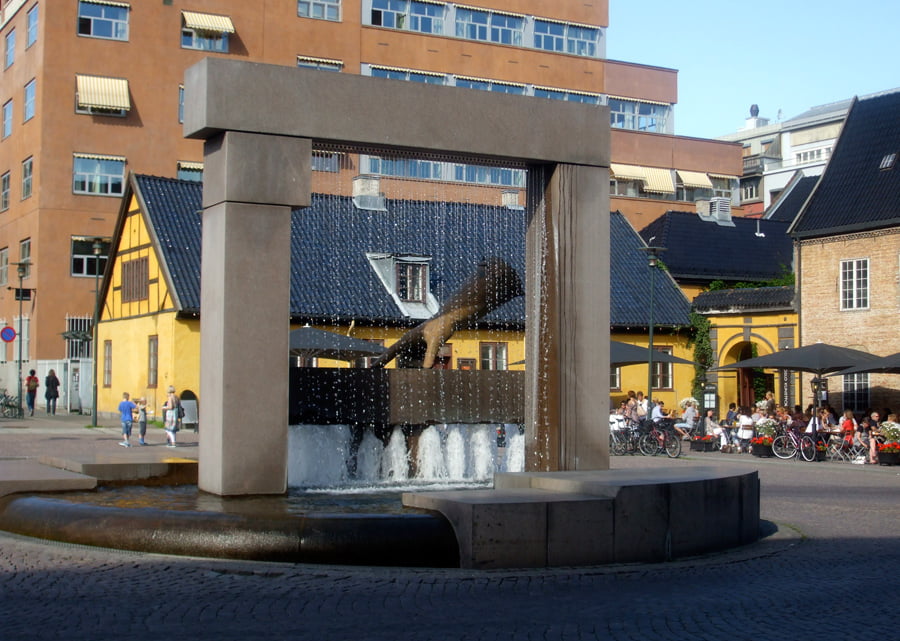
142, 420
126, 414
51, 392
31, 385
171, 412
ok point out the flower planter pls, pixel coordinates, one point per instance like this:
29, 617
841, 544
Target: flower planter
821, 455
889, 458
762, 451
703, 446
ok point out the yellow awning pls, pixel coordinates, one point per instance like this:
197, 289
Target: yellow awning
207, 22
654, 179
659, 181
628, 172
695, 179
725, 176
190, 165
100, 157
103, 93
643, 100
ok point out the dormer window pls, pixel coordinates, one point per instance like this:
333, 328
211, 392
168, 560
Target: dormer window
888, 161
412, 281
406, 278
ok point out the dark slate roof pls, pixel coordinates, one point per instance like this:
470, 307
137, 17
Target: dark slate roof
699, 250
754, 299
332, 279
791, 200
854, 194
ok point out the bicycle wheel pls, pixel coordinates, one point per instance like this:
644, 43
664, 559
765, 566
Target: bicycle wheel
648, 444
616, 445
672, 445
783, 447
807, 449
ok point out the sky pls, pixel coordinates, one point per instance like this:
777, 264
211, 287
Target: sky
783, 55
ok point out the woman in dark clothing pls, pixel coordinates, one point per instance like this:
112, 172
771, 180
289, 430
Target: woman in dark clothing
51, 391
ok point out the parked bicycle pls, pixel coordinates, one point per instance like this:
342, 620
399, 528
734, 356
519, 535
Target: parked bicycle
660, 438
9, 405
624, 437
793, 444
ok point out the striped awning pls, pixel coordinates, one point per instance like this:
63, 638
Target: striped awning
724, 176
643, 100
654, 179
102, 93
695, 179
190, 165
100, 157
207, 22
108, 3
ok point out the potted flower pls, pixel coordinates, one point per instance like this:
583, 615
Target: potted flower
705, 443
761, 446
766, 427
889, 453
890, 431
821, 451
690, 400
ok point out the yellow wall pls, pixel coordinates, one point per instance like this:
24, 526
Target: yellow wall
732, 333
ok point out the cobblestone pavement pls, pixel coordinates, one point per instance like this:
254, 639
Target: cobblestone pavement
831, 571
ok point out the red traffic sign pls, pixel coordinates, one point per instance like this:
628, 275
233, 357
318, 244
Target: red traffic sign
8, 334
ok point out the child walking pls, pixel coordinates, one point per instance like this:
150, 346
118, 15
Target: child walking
142, 419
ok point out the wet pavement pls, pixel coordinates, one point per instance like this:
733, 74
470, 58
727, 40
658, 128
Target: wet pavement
828, 569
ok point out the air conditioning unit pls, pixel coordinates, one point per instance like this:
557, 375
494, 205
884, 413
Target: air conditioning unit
367, 193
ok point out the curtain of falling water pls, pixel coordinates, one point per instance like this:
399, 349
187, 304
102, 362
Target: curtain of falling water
372, 212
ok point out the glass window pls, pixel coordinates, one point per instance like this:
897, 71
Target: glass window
490, 85
566, 38
29, 100
152, 361
107, 363
190, 171
326, 161
180, 103
27, 177
493, 356
662, 372
409, 75
7, 118
204, 40
615, 378
4, 266
98, 176
855, 284
638, 116
408, 14
84, 261
320, 9
10, 55
4, 191
856, 392
412, 282
25, 256
81, 331
32, 34
103, 20
475, 24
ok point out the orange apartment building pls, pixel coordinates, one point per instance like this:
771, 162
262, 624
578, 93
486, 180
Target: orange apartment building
91, 90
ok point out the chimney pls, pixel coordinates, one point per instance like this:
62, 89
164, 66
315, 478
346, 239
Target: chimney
367, 193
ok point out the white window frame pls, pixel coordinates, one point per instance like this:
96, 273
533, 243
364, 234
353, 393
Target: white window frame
320, 64
409, 15
27, 177
5, 189
493, 355
100, 181
30, 100
486, 26
31, 33
320, 9
615, 378
7, 118
118, 27
637, 115
411, 281
854, 284
25, 256
215, 41
564, 37
4, 266
856, 392
181, 103
9, 55
84, 262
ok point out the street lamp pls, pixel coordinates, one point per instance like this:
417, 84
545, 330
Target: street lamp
98, 248
653, 261
21, 270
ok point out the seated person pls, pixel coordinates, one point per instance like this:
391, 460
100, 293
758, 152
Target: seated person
744, 430
659, 415
687, 422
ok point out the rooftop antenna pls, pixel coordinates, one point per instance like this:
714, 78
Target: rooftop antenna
758, 233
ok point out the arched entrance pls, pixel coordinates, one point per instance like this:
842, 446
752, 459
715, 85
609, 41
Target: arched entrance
749, 383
